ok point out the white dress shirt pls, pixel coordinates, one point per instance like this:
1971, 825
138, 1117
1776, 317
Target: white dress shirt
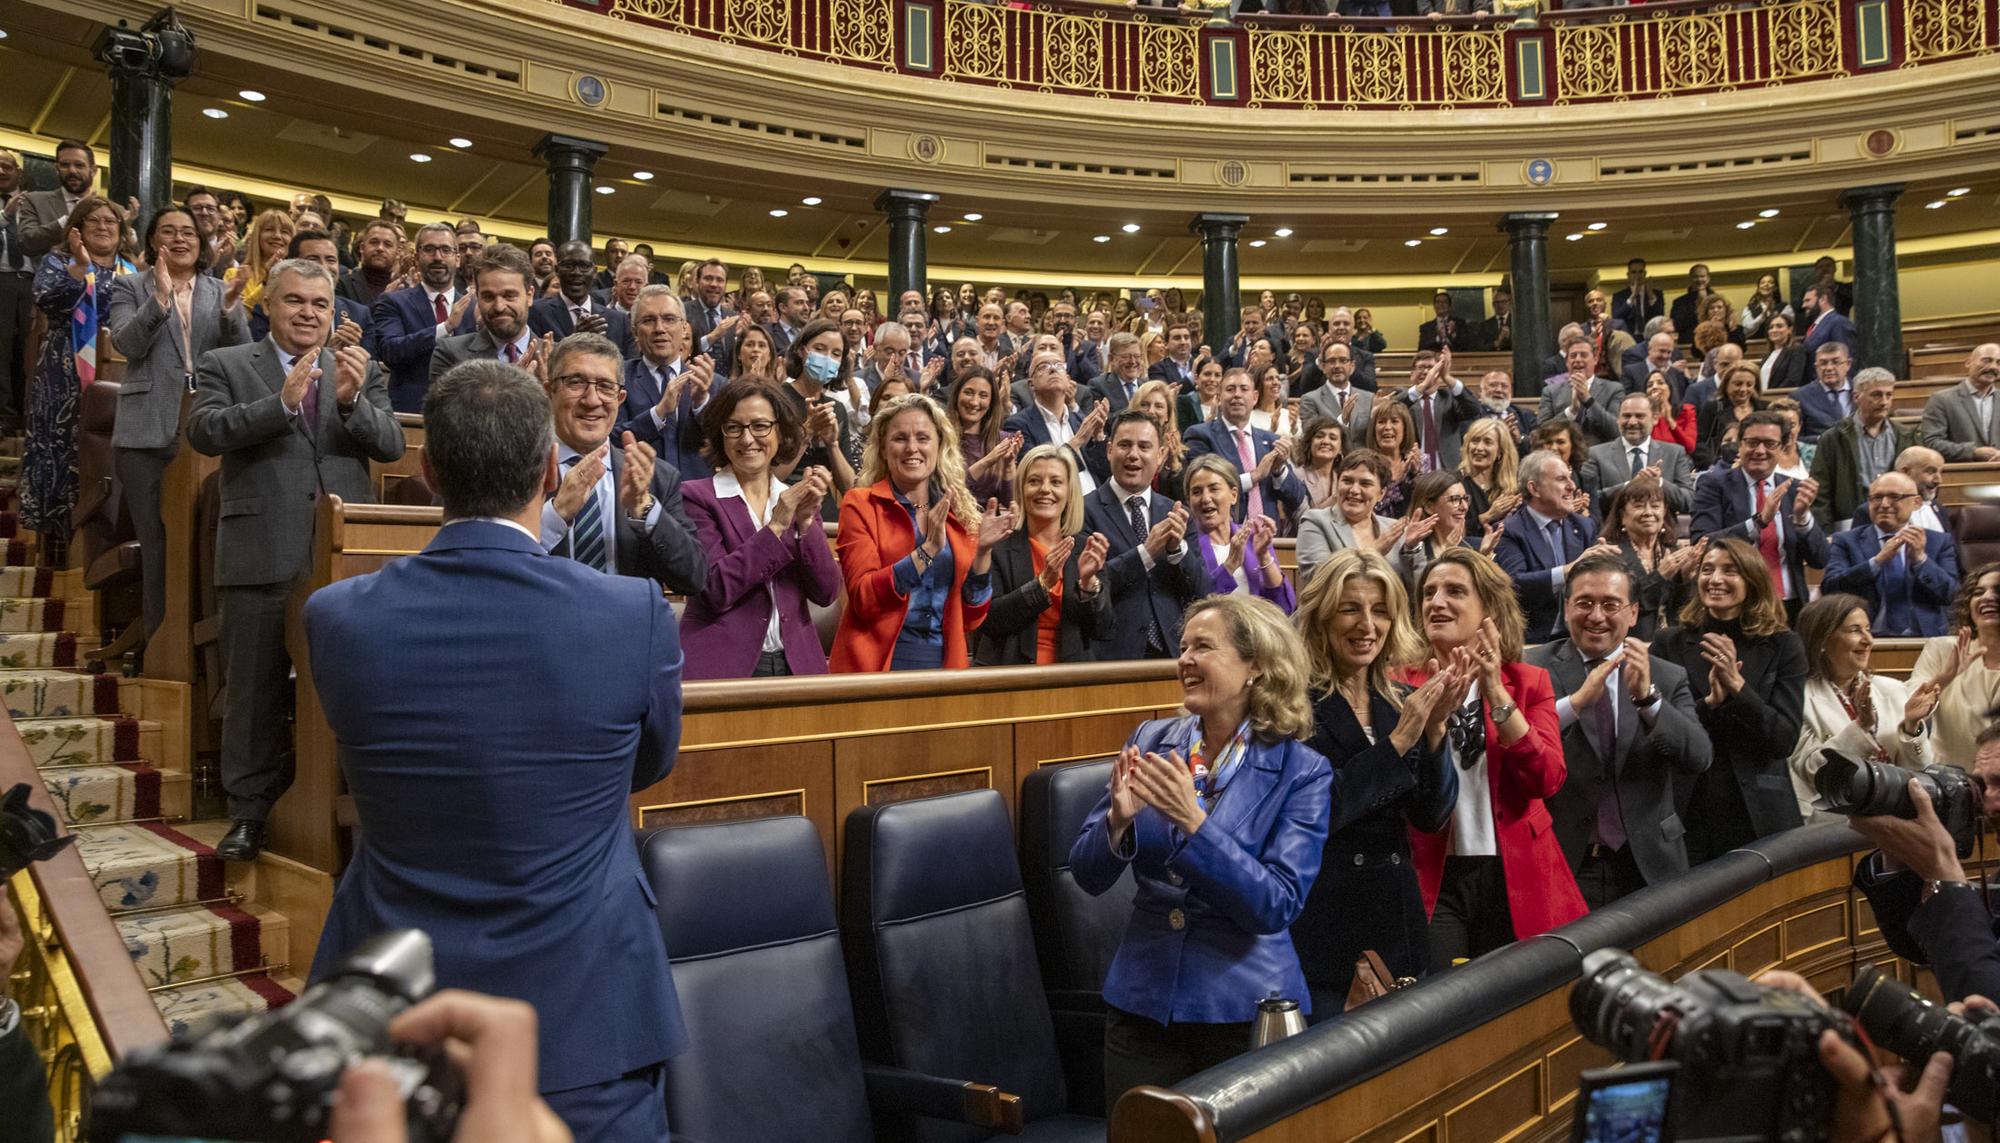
727, 486
555, 529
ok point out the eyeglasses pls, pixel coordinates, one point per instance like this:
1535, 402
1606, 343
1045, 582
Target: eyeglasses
1758, 444
576, 383
101, 220
1892, 497
736, 430
434, 251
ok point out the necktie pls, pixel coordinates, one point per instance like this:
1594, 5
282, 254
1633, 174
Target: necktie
1638, 460
1136, 509
513, 353
437, 308
1893, 590
309, 405
1248, 457
714, 317
1431, 430
1604, 730
1767, 543
586, 535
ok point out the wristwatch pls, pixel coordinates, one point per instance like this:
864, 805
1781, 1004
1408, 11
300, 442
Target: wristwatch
1651, 696
1932, 888
645, 506
1503, 713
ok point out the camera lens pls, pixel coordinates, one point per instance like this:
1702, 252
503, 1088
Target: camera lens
1900, 1019
1863, 789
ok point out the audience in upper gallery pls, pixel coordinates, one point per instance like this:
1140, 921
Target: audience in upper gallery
1496, 874
1962, 422
1637, 523
915, 550
1153, 573
1239, 557
1747, 672
1906, 576
1755, 503
766, 551
1354, 619
1049, 603
1630, 737
1865, 717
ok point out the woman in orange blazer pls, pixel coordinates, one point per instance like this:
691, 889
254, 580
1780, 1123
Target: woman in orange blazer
1495, 874
914, 548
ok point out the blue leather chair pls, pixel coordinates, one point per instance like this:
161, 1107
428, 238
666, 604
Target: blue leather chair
941, 960
747, 913
1075, 933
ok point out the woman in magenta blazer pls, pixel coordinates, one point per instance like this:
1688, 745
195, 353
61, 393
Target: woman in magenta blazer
767, 553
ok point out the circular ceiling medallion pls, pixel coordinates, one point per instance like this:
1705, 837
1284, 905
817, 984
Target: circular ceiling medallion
926, 148
1233, 173
1881, 143
589, 90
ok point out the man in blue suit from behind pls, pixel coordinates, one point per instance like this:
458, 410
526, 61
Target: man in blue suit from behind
1909, 576
490, 751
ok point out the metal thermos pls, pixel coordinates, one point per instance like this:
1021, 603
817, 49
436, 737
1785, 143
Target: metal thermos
1277, 1018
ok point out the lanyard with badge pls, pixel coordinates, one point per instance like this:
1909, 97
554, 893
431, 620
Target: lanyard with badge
1211, 776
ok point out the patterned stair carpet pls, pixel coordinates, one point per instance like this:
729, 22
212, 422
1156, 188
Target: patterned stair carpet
203, 952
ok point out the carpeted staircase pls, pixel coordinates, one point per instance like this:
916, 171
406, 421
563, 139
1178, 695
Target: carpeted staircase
120, 780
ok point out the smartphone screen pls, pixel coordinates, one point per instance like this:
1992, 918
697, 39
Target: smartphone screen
1625, 1105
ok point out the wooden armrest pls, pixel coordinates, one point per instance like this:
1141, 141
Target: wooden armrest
959, 1101
206, 631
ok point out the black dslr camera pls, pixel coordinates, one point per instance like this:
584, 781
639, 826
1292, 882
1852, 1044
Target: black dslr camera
1898, 1018
27, 835
272, 1077
1859, 789
1748, 1055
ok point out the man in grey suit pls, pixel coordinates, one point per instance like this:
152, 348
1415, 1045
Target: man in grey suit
146, 313
42, 215
1582, 396
501, 274
1339, 397
1612, 465
292, 421
1963, 422
1630, 736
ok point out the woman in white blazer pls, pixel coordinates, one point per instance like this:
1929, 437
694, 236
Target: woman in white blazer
1860, 715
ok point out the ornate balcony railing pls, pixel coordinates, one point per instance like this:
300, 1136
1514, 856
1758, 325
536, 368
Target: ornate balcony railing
1071, 47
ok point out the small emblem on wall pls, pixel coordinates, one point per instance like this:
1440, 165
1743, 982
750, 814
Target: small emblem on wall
1232, 173
1880, 144
1540, 172
926, 148
589, 90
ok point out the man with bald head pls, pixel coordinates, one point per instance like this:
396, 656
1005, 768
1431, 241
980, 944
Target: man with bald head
1341, 328
1907, 575
1925, 467
1728, 356
1963, 422
1660, 358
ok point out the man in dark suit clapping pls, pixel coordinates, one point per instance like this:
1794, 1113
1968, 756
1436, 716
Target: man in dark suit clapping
1152, 571
409, 321
490, 760
575, 310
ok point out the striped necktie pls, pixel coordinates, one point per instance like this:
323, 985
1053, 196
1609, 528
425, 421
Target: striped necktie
586, 535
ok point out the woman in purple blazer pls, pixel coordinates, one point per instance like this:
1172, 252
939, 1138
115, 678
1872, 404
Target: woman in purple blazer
767, 553
1239, 557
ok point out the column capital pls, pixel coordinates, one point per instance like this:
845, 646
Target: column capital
569, 151
907, 203
1212, 224
1880, 196
1528, 222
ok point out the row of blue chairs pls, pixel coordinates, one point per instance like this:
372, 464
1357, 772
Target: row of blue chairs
956, 998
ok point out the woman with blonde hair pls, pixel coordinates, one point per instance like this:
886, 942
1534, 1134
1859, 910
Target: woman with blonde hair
1239, 557
914, 549
270, 234
1490, 468
1495, 874
1747, 674
1718, 309
1049, 605
1221, 815
751, 281
1156, 400
1355, 620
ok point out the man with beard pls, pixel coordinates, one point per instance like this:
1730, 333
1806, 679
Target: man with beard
575, 310
712, 324
471, 240
1963, 422
1341, 328
542, 254
381, 246
408, 323
42, 215
502, 289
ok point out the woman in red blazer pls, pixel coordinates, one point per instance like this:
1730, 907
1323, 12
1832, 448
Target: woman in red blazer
1495, 874
914, 548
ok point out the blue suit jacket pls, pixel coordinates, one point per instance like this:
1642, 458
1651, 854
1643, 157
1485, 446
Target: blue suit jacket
1237, 884
1723, 507
1281, 489
1524, 554
1138, 595
551, 315
678, 440
405, 334
491, 769
1818, 410
1831, 326
1851, 567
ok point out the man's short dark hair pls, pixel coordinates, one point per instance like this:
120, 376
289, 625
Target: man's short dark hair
1765, 417
715, 262
1602, 562
544, 240
1135, 417
76, 145
785, 293
506, 258
388, 224
300, 238
199, 189
487, 436
1639, 262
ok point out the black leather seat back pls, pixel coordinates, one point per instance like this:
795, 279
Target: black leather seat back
747, 913
1076, 934
941, 955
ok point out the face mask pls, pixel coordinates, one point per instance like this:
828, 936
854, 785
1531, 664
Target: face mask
821, 368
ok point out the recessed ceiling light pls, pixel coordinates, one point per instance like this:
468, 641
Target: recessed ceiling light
973, 216
215, 113
3, 33
1577, 237
1596, 226
1130, 228
940, 230
811, 200
1768, 212
607, 190
1745, 225
1440, 231
1936, 204
643, 176
420, 157
1283, 232
1958, 192
246, 93
459, 141
1257, 242
780, 213
1101, 238
1413, 242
